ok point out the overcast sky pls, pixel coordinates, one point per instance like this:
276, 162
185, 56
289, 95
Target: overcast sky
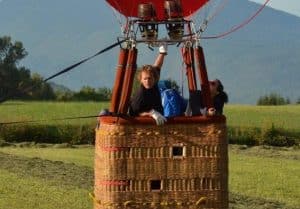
290, 6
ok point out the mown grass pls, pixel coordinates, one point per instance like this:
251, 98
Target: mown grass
275, 179
83, 156
29, 192
237, 115
253, 173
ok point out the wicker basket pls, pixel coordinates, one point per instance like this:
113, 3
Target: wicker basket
183, 164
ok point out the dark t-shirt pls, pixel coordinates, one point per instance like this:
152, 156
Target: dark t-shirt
145, 100
196, 103
219, 104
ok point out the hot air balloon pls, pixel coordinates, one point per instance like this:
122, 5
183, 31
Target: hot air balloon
174, 14
130, 8
183, 164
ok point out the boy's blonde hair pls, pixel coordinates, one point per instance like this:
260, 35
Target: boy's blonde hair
150, 70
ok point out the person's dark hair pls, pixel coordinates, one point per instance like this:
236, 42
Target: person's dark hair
221, 91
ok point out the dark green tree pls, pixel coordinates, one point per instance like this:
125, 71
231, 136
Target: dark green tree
174, 84
88, 93
40, 90
16, 81
273, 99
12, 77
104, 93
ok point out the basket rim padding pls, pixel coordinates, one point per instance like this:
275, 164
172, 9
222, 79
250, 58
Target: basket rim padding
127, 120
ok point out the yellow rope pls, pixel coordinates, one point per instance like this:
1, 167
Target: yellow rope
128, 202
202, 200
94, 198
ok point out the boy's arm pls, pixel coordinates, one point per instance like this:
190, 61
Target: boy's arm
159, 61
163, 51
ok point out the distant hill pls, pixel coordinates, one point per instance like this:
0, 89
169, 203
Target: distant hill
261, 58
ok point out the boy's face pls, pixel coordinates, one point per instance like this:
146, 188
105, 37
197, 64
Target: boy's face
147, 80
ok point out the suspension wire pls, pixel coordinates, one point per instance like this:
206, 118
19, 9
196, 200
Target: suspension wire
45, 120
182, 78
238, 27
65, 70
118, 5
218, 10
62, 119
119, 19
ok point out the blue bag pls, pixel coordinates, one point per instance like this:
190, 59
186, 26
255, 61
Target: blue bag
172, 102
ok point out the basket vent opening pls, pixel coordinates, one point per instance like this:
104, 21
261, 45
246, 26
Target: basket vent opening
178, 151
155, 185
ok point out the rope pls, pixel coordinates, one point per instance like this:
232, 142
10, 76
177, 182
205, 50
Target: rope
52, 119
212, 16
92, 196
218, 10
202, 200
118, 115
236, 28
199, 202
65, 70
119, 19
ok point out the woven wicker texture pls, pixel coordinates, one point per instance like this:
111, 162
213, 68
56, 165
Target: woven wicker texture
182, 166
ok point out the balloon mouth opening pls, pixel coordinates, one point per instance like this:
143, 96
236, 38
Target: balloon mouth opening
149, 31
175, 30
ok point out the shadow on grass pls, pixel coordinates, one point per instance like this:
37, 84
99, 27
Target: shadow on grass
60, 173
54, 172
13, 103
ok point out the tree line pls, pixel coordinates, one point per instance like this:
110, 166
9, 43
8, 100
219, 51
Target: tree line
275, 99
18, 83
86, 93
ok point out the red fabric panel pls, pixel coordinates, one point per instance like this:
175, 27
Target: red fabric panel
116, 94
129, 8
188, 58
202, 73
128, 80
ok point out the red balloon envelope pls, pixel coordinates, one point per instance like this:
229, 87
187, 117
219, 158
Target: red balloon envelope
129, 8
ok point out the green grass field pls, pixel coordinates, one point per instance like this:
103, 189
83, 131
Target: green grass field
50, 178
20, 111
287, 117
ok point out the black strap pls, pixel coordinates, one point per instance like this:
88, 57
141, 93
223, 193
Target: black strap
65, 70
83, 61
